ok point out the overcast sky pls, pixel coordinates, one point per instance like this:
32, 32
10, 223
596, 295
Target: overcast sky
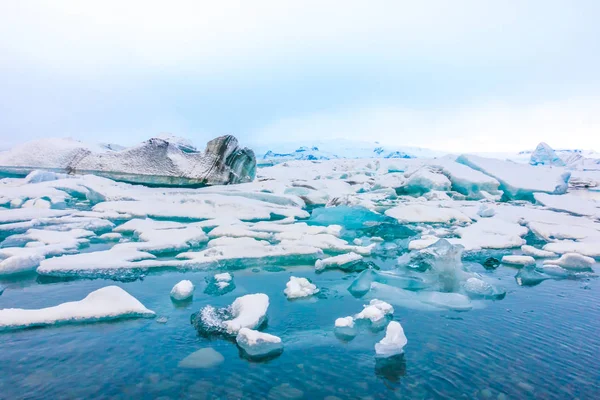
452, 75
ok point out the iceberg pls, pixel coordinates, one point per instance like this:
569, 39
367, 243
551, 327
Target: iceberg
110, 302
394, 341
157, 161
184, 290
545, 155
258, 345
299, 287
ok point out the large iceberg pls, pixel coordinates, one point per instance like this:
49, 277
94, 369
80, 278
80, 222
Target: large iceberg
157, 161
110, 302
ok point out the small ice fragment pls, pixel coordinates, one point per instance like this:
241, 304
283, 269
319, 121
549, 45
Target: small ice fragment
572, 261
183, 290
485, 211
345, 328
203, 358
518, 260
299, 287
375, 311
248, 311
394, 341
258, 344
346, 322
162, 320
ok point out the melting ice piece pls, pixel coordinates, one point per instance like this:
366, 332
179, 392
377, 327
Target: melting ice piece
478, 288
573, 261
345, 328
518, 260
219, 284
299, 287
258, 345
110, 302
376, 311
485, 211
414, 213
394, 341
535, 252
182, 291
201, 359
529, 276
248, 311
451, 301
349, 262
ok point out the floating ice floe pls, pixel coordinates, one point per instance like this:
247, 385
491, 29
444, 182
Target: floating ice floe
424, 179
572, 261
346, 262
248, 311
182, 291
535, 252
518, 260
394, 341
257, 344
299, 287
413, 213
570, 203
110, 302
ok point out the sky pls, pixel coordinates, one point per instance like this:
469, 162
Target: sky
457, 76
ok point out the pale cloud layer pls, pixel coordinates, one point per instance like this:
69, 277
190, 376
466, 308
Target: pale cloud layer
462, 75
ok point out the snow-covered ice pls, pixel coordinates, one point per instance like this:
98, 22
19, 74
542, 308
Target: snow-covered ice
518, 260
375, 311
183, 290
394, 341
572, 261
299, 287
110, 302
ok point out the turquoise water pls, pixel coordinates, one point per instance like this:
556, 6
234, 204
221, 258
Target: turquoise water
538, 342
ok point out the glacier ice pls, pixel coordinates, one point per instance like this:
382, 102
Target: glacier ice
156, 161
182, 290
258, 345
545, 155
299, 287
110, 302
394, 341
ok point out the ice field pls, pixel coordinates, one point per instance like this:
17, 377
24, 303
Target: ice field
455, 276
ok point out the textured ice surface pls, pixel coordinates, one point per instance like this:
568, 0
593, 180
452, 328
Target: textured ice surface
520, 181
183, 290
424, 179
299, 287
110, 302
394, 341
155, 161
535, 252
258, 344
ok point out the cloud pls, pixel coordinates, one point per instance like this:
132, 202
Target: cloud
492, 126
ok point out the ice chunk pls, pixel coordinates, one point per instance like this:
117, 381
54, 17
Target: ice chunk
491, 233
258, 345
201, 359
182, 291
486, 211
572, 261
376, 311
545, 155
465, 180
219, 284
345, 328
348, 262
110, 302
248, 311
520, 181
478, 288
535, 252
529, 276
322, 241
518, 260
424, 179
590, 249
394, 341
155, 161
346, 322
413, 213
299, 287
451, 301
